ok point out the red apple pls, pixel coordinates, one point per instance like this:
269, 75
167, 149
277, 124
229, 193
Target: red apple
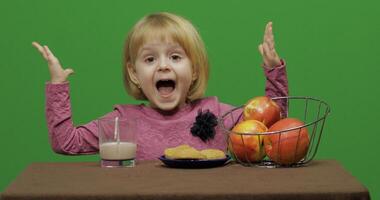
248, 148
287, 147
262, 109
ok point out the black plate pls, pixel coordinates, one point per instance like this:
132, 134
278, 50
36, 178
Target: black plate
188, 163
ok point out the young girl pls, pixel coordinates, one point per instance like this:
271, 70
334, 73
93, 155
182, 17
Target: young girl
167, 65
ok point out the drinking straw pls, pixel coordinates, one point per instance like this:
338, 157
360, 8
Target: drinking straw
116, 130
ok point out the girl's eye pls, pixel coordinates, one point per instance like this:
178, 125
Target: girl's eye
149, 59
176, 57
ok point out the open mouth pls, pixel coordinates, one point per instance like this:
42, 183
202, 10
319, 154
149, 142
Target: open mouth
165, 87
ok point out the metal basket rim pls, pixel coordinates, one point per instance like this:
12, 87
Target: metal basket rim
220, 119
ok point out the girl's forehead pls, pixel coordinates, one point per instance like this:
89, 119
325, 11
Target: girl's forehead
159, 42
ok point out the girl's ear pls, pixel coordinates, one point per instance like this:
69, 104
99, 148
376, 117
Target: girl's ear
132, 74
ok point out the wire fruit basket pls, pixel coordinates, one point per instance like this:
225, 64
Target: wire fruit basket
289, 142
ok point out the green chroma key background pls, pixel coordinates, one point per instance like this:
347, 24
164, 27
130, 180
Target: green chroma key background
331, 49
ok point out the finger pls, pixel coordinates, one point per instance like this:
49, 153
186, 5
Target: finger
270, 36
40, 49
48, 52
270, 43
50, 55
269, 39
266, 50
69, 71
261, 50
266, 31
37, 45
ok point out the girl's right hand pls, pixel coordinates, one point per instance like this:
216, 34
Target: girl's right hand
57, 73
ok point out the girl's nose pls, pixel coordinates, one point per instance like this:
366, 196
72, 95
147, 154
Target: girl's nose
163, 65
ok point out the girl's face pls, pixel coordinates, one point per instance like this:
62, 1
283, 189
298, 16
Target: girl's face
164, 73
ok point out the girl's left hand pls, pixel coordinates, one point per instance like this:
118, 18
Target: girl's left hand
267, 50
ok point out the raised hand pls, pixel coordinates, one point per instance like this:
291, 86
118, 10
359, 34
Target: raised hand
267, 50
57, 73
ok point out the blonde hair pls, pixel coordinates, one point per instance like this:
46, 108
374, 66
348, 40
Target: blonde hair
167, 26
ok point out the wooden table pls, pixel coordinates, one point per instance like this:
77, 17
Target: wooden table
322, 179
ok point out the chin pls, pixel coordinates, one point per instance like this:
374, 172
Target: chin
168, 106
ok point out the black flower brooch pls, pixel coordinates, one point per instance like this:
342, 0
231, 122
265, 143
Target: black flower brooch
204, 125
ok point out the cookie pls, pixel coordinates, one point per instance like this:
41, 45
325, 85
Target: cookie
183, 152
213, 154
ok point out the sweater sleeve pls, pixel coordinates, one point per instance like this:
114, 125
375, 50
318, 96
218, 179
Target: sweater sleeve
64, 137
277, 85
229, 115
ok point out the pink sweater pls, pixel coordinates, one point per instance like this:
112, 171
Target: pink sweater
156, 131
